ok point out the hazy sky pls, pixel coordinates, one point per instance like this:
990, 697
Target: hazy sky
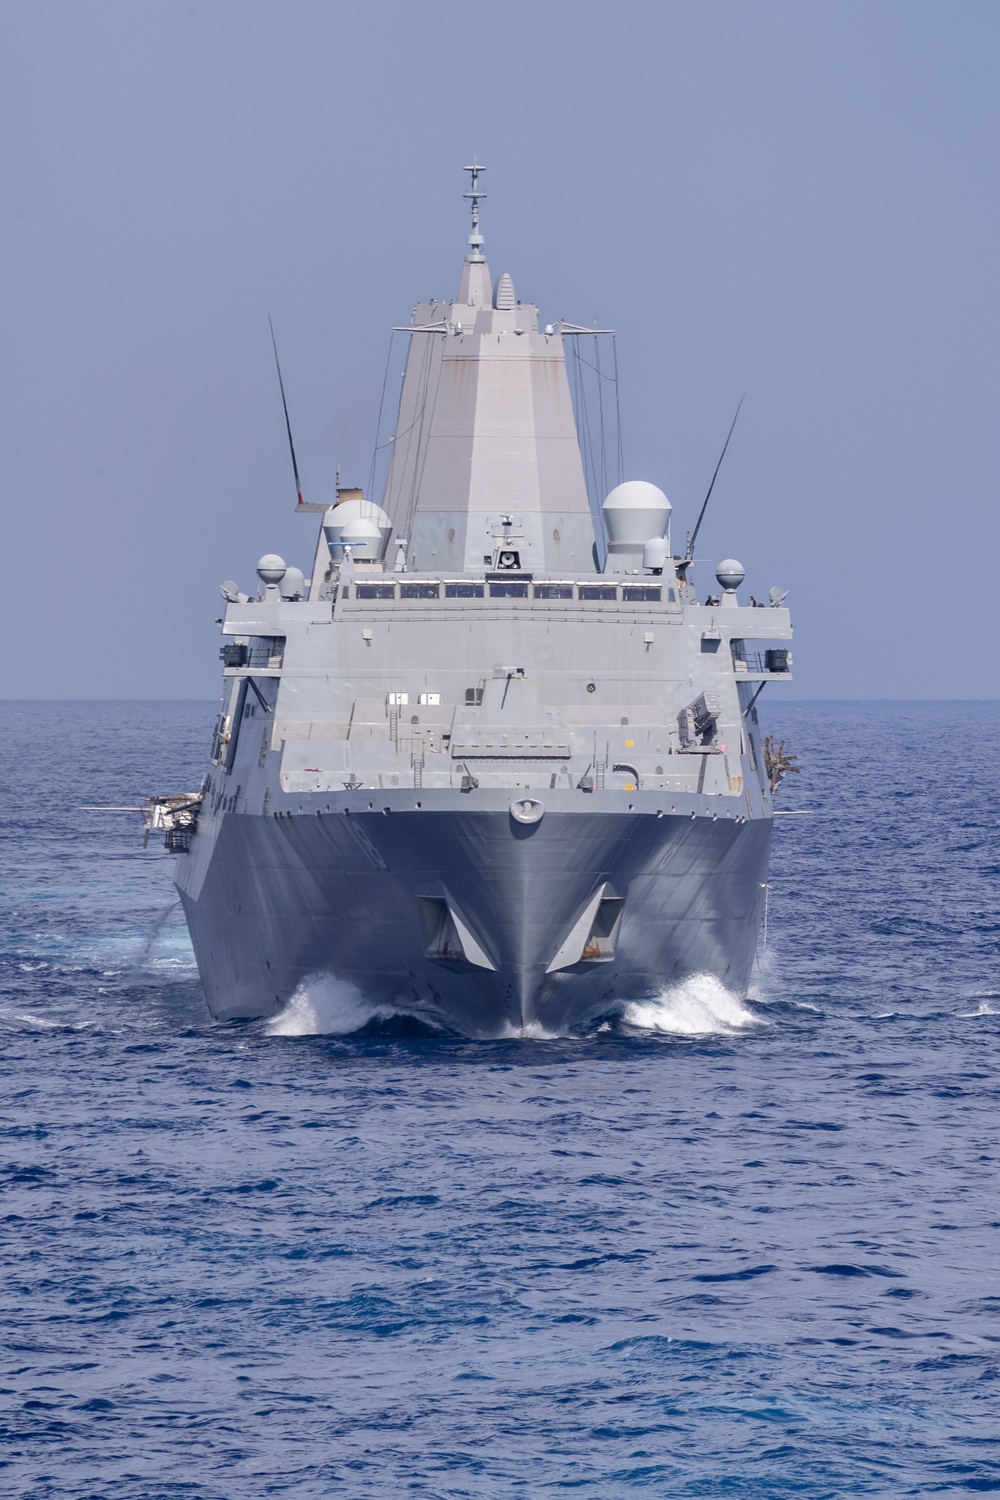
795, 199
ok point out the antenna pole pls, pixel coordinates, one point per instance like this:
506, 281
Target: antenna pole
284, 403
688, 558
475, 195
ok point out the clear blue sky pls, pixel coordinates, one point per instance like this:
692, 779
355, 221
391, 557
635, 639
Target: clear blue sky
796, 199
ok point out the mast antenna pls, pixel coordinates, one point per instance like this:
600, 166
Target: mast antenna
284, 403
688, 557
475, 195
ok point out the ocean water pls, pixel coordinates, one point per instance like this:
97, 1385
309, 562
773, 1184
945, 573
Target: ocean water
714, 1248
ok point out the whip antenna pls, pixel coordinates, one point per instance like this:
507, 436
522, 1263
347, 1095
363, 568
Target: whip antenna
688, 558
288, 425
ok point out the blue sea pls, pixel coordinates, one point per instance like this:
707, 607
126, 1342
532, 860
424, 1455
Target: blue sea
714, 1247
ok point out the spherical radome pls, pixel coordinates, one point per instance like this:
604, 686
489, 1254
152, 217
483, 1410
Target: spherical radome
271, 568
730, 573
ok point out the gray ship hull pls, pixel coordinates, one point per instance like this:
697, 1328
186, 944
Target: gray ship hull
453, 909
487, 762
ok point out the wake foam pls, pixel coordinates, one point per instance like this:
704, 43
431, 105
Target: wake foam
984, 1009
534, 1031
325, 1006
700, 1006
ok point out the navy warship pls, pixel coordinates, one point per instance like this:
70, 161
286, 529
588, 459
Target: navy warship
491, 762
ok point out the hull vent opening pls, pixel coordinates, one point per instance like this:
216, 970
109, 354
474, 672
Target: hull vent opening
602, 938
449, 939
443, 941
593, 938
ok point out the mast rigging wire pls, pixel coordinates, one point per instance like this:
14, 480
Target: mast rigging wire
618, 412
284, 404
689, 550
600, 411
378, 424
594, 447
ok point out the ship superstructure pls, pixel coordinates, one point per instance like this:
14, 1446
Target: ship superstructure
484, 763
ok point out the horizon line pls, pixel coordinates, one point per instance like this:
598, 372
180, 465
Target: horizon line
789, 703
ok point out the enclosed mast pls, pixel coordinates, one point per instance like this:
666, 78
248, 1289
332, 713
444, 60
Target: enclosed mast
486, 445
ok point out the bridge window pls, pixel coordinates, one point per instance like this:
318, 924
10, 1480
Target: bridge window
508, 591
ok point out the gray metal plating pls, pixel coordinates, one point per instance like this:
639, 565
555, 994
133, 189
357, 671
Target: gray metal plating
468, 773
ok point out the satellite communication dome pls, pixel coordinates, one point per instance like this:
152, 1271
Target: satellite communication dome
345, 517
730, 573
655, 554
271, 568
634, 512
363, 537
293, 584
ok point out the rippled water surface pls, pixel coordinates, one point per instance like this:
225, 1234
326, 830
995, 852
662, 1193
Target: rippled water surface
710, 1249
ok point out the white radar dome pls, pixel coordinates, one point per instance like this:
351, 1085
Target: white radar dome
363, 537
293, 584
372, 537
730, 573
271, 568
655, 554
633, 513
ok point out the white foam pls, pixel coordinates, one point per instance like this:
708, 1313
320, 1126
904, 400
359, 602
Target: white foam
45, 1023
533, 1032
765, 974
700, 1006
28, 1019
325, 1006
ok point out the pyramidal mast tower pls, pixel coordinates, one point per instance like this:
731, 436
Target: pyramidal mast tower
486, 436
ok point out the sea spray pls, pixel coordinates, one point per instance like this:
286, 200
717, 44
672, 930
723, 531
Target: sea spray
532, 1031
325, 1006
699, 1006
142, 959
765, 974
